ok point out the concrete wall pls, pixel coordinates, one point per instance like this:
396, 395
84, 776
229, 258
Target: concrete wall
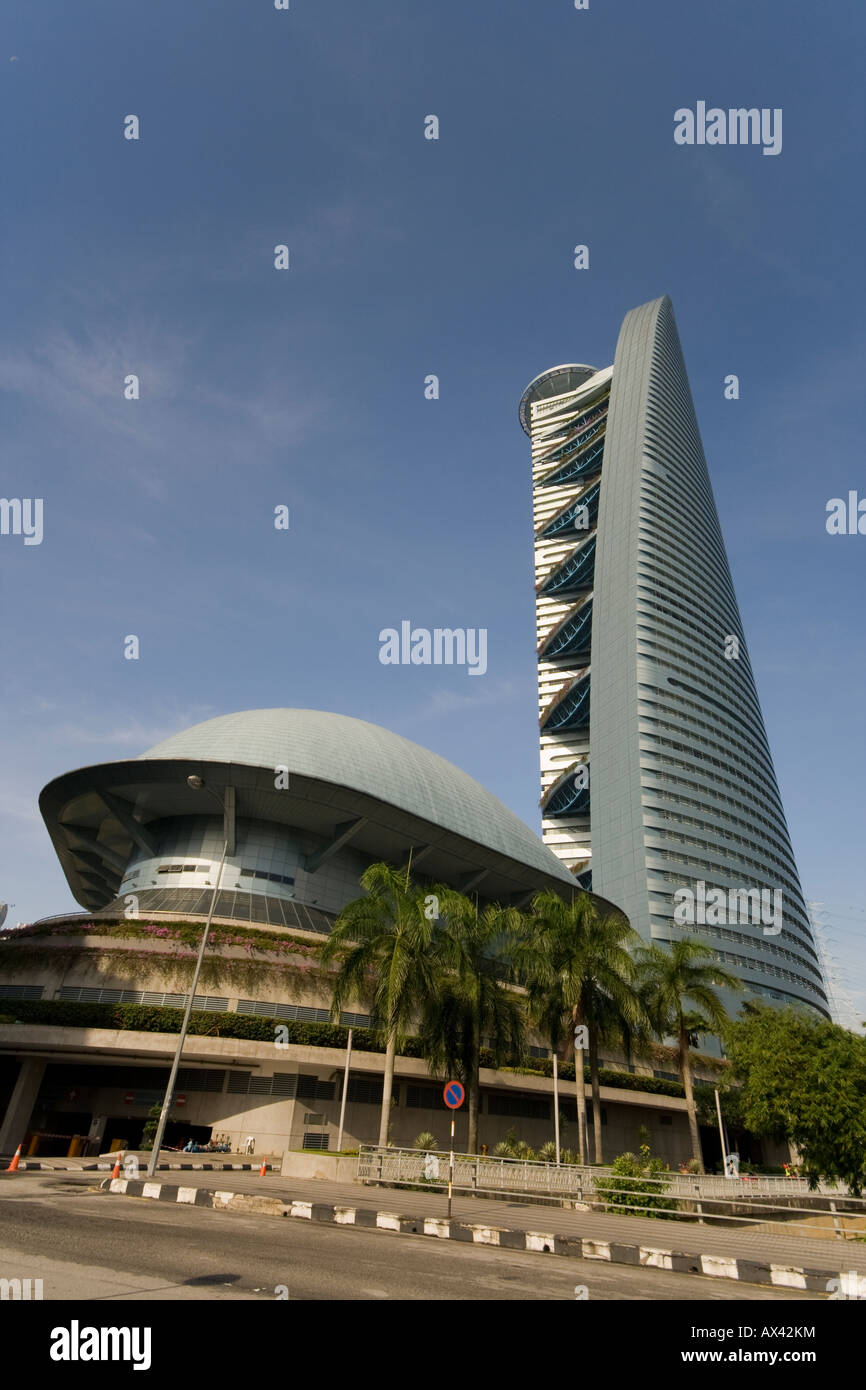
280, 1124
311, 1165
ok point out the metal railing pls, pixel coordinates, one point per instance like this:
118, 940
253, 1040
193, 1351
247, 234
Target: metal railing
766, 1201
472, 1172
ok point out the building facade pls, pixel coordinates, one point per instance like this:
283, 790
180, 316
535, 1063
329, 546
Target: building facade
657, 782
301, 802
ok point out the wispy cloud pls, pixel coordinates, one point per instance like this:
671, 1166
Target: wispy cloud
483, 693
133, 733
78, 380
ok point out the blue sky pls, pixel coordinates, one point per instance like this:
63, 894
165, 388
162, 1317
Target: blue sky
306, 387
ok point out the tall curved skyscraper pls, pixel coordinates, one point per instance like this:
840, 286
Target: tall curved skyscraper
658, 788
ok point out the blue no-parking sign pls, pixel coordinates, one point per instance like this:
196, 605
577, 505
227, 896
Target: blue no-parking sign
454, 1095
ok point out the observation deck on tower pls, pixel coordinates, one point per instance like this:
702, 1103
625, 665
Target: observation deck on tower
556, 381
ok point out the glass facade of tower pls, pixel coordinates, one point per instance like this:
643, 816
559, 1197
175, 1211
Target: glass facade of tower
658, 788
568, 426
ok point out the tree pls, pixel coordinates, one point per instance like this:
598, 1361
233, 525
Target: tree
678, 990
578, 972
804, 1080
151, 1124
383, 942
473, 1000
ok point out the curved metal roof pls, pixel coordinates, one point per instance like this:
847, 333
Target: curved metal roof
349, 781
369, 759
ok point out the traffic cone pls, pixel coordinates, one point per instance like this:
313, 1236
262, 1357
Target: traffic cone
263, 1169
13, 1166
115, 1172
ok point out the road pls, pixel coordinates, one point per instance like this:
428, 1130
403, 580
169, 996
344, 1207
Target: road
89, 1245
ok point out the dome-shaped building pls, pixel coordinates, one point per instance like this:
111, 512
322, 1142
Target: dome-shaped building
280, 811
304, 799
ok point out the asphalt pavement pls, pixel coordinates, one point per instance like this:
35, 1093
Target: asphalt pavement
761, 1246
91, 1246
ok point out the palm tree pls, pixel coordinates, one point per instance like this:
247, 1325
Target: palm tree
678, 988
473, 1000
579, 973
383, 941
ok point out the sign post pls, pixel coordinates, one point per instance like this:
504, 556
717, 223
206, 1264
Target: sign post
722, 1137
453, 1096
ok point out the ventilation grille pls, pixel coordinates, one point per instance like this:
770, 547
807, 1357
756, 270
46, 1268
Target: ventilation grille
317, 1141
286, 1085
262, 1008
82, 994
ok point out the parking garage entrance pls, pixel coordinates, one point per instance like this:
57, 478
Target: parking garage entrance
85, 1110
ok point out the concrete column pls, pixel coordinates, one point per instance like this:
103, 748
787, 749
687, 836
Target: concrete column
20, 1107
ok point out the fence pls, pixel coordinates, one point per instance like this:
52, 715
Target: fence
472, 1173
828, 1209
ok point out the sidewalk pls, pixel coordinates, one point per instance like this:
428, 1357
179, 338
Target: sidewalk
105, 1163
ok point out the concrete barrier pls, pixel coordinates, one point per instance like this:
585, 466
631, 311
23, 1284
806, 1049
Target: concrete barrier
309, 1164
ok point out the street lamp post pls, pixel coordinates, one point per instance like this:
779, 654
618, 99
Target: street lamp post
345, 1092
556, 1103
197, 783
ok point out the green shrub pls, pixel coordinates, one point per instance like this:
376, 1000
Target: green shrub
619, 1080
188, 933
512, 1147
148, 1134
623, 1191
152, 1018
